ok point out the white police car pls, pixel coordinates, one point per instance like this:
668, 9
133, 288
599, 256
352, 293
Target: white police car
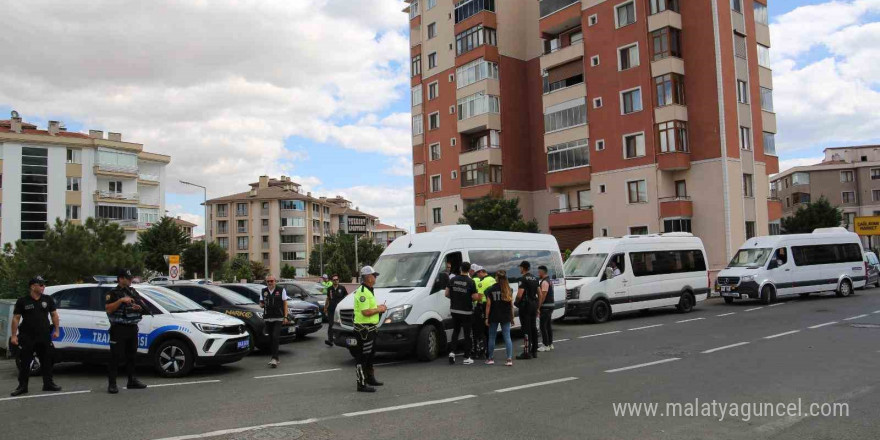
179, 335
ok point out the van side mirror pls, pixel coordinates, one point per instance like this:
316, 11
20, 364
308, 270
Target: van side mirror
208, 304
440, 283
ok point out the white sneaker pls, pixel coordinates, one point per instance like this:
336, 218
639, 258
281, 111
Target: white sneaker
273, 363
552, 347
451, 358
544, 348
468, 361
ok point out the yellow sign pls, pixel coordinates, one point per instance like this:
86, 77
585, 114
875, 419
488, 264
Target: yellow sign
174, 259
867, 225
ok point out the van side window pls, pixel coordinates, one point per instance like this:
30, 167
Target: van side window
781, 256
619, 261
826, 254
509, 260
666, 262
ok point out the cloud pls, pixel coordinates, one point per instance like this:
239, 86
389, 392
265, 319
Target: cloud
401, 166
392, 204
786, 164
178, 211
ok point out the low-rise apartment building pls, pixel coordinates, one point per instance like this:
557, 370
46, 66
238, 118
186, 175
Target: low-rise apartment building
186, 226
385, 234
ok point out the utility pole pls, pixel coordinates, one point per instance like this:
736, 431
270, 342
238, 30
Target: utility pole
205, 236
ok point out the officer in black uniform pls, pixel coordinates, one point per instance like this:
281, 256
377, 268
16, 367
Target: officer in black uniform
527, 302
335, 294
34, 335
273, 300
124, 307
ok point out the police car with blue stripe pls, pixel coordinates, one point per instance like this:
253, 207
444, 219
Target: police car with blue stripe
176, 335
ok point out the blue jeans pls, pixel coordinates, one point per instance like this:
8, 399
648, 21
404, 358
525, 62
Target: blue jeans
493, 334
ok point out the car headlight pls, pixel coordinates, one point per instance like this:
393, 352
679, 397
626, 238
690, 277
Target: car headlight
259, 314
573, 293
748, 278
397, 314
208, 328
336, 318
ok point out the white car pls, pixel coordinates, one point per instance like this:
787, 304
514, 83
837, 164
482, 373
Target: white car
179, 334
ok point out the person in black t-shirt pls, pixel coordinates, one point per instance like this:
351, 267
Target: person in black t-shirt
335, 294
32, 333
499, 311
546, 304
527, 302
462, 292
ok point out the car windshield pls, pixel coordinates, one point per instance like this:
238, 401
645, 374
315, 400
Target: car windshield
229, 295
750, 257
405, 270
170, 300
584, 265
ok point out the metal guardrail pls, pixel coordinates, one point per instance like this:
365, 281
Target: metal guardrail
573, 209
674, 199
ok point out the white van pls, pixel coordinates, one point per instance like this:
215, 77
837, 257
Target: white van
412, 281
829, 259
612, 275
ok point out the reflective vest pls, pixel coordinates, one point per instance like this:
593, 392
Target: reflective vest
326, 285
484, 285
364, 299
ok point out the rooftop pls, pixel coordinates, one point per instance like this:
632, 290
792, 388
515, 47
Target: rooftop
183, 223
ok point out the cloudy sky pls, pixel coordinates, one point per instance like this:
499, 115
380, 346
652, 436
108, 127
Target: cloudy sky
319, 90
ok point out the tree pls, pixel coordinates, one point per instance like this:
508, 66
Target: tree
163, 238
497, 214
240, 269
258, 270
193, 259
818, 214
343, 245
288, 272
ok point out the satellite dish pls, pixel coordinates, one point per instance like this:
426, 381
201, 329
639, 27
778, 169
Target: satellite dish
14, 114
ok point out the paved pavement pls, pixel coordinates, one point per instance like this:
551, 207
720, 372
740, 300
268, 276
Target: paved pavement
822, 349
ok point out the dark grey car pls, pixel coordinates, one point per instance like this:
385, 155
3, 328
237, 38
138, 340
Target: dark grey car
873, 272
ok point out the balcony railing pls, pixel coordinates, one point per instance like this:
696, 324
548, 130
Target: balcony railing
115, 168
674, 199
153, 177
116, 196
472, 148
548, 7
149, 201
571, 209
125, 223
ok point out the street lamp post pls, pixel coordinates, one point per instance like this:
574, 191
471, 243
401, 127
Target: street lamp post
205, 236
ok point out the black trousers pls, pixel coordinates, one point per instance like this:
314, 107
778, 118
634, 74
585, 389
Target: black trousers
273, 329
547, 325
366, 349
43, 348
123, 347
461, 322
478, 326
528, 318
330, 314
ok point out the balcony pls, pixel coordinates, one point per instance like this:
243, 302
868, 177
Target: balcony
107, 196
563, 55
569, 177
676, 206
558, 15
482, 190
491, 155
152, 202
128, 225
148, 179
667, 18
480, 122
571, 217
114, 170
468, 8
674, 161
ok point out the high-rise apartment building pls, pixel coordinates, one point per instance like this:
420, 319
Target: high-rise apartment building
657, 116
56, 174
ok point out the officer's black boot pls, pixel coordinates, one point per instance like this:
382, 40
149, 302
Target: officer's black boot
134, 384
371, 379
22, 389
366, 389
112, 388
51, 386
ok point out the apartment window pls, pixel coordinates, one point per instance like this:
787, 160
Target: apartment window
416, 66
432, 30
799, 179
745, 138
293, 222
435, 183
604, 232
480, 173
766, 99
638, 230
763, 56
434, 121
658, 6
602, 189
739, 45
750, 230
633, 145
846, 176
625, 14
417, 95
74, 155
769, 143
222, 227
597, 102
490, 140
115, 186
568, 155
294, 205
673, 136
222, 210
116, 212
593, 20
875, 195
72, 212
473, 38
761, 15
594, 60
748, 187
223, 242
433, 90
552, 45
436, 214
742, 91
565, 115
637, 191
575, 37
453, 175
435, 151
849, 220
665, 42
736, 5
432, 60
241, 226
670, 89
477, 104
475, 71
875, 173
787, 202
293, 239
680, 189
631, 101
293, 256
797, 198
600, 144
774, 227
677, 225
242, 243
550, 87
628, 57
73, 183
414, 9
452, 142
417, 127
468, 8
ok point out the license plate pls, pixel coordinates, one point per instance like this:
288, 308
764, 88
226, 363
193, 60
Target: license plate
290, 330
351, 342
730, 294
243, 344
318, 321
725, 289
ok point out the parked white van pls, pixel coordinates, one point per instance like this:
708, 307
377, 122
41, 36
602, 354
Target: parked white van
413, 278
612, 275
829, 259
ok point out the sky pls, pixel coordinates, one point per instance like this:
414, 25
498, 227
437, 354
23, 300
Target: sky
319, 89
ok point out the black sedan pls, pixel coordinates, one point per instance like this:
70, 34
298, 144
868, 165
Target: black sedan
306, 316
308, 292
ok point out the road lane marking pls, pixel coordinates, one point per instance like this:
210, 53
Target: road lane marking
647, 326
688, 320
876, 311
713, 350
245, 429
409, 405
781, 334
298, 374
632, 367
561, 340
388, 363
45, 395
598, 334
726, 314
822, 325
537, 384
756, 308
181, 383
854, 317
777, 304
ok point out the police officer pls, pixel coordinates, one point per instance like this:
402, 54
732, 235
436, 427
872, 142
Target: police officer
273, 300
478, 321
366, 323
34, 335
527, 302
326, 283
335, 294
124, 307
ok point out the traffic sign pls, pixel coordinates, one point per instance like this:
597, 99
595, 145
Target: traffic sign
867, 225
174, 267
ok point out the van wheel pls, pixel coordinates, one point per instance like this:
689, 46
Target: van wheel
173, 358
768, 295
686, 303
600, 311
728, 300
845, 289
429, 343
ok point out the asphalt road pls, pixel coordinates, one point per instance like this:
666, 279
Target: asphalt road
821, 350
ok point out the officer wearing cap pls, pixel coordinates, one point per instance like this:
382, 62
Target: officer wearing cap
366, 323
124, 308
481, 331
326, 284
34, 335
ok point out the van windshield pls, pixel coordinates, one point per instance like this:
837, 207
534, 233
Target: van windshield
750, 257
584, 265
405, 270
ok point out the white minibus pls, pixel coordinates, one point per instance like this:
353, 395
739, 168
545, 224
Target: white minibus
635, 272
413, 278
765, 268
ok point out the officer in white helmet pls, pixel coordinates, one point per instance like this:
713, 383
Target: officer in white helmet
366, 324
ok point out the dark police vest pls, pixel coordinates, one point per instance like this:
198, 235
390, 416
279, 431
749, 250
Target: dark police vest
125, 314
548, 300
273, 303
